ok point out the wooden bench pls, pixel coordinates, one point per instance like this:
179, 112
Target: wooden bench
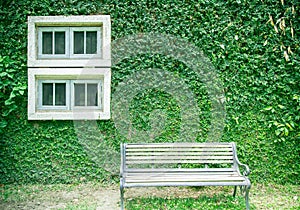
182, 164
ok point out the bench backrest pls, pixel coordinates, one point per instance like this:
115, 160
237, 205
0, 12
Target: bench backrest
165, 155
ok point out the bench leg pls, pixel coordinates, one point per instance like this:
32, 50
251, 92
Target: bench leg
122, 198
234, 191
247, 197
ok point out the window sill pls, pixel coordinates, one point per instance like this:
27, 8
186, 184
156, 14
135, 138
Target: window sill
69, 115
70, 62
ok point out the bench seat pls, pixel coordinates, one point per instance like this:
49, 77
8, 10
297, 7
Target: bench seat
183, 178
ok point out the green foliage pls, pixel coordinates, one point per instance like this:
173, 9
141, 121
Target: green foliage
150, 101
46, 154
11, 87
254, 45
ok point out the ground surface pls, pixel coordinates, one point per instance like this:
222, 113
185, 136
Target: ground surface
96, 196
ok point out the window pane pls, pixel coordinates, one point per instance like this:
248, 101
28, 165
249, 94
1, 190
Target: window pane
60, 94
79, 94
47, 94
47, 43
91, 42
92, 95
78, 42
60, 42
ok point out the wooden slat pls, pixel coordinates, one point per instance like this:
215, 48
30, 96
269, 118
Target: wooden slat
178, 177
174, 173
170, 170
179, 158
178, 149
182, 174
232, 179
184, 179
177, 153
174, 145
176, 184
177, 161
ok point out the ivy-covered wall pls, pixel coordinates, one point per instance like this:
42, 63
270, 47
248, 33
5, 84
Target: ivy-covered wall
253, 45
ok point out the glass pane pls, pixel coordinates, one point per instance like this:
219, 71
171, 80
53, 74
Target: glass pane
60, 42
92, 94
60, 94
47, 94
78, 42
91, 42
79, 94
47, 43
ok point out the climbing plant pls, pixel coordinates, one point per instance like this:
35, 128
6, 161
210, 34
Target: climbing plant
253, 45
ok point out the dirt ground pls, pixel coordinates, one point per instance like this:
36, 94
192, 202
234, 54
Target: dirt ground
86, 196
79, 197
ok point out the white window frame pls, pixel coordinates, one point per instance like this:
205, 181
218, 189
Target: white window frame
69, 42
40, 42
85, 82
70, 94
49, 107
85, 29
102, 59
71, 75
52, 68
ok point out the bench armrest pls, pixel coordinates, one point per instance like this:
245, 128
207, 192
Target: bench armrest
246, 167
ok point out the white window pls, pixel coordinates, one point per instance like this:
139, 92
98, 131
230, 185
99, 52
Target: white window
69, 42
86, 94
53, 42
84, 41
53, 94
70, 94
69, 62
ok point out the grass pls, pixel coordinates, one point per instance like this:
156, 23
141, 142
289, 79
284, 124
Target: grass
205, 202
91, 196
207, 198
